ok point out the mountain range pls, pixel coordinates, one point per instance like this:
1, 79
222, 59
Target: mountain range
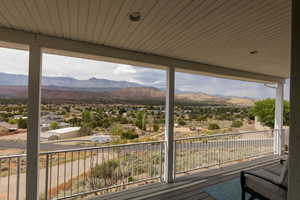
22, 80
103, 90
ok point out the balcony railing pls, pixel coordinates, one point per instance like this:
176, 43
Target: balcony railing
207, 151
96, 170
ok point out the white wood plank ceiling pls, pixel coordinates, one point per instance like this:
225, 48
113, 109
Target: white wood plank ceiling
219, 32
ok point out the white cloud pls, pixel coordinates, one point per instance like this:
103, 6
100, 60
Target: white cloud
122, 69
16, 61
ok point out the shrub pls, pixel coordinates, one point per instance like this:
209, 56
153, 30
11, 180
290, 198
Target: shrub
54, 125
85, 130
22, 123
155, 127
12, 121
237, 124
129, 135
117, 129
104, 174
181, 122
130, 179
213, 126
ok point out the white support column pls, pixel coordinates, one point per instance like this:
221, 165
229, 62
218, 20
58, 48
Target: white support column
169, 132
33, 131
278, 123
294, 135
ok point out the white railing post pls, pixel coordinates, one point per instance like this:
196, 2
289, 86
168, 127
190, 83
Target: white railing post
33, 126
278, 123
169, 132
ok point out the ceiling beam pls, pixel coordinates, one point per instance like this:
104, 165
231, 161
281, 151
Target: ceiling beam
82, 49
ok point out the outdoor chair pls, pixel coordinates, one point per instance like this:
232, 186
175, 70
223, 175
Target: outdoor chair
265, 185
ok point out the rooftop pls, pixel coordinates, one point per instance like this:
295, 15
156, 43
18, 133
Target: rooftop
64, 130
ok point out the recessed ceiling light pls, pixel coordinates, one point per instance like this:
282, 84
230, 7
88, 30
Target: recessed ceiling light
253, 52
135, 16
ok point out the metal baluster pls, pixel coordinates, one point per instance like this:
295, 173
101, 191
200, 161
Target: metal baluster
122, 168
222, 150
18, 178
115, 175
119, 166
193, 153
72, 160
200, 153
78, 174
151, 161
227, 149
57, 180
181, 156
186, 156
174, 159
50, 176
91, 160
219, 152
214, 151
46, 176
97, 158
209, 153
206, 152
131, 161
84, 170
234, 147
259, 144
148, 160
8, 178
160, 160
65, 172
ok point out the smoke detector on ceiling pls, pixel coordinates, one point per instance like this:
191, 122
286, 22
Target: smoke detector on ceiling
253, 52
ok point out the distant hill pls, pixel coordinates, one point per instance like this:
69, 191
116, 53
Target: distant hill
22, 80
138, 93
102, 90
240, 101
122, 95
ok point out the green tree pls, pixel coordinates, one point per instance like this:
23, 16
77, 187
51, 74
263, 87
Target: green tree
54, 125
265, 111
86, 124
141, 120
86, 117
213, 126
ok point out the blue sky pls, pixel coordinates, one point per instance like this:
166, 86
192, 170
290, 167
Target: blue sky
16, 61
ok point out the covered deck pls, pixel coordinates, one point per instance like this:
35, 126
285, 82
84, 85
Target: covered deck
242, 40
